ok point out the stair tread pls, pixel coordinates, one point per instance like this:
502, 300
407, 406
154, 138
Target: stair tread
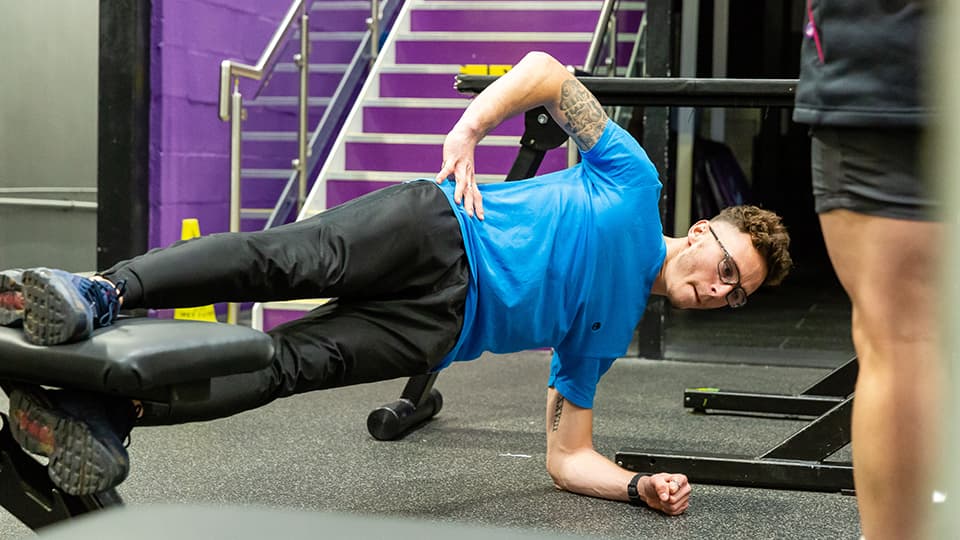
579, 37
526, 5
392, 176
426, 138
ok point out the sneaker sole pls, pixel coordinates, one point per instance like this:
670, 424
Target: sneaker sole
54, 312
9, 316
79, 463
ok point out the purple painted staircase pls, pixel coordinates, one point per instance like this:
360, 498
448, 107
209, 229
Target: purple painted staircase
269, 136
396, 130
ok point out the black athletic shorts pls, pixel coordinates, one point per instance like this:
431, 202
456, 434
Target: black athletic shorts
874, 171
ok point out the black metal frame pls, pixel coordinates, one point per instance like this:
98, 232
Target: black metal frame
799, 462
815, 400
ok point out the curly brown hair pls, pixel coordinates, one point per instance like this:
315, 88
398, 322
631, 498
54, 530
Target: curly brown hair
768, 234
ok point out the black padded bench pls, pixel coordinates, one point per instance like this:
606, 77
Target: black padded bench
152, 360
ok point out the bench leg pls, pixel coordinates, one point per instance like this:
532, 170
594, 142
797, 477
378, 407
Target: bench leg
27, 492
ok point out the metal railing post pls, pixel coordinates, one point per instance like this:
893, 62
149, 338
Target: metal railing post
303, 63
231, 108
374, 23
236, 112
612, 49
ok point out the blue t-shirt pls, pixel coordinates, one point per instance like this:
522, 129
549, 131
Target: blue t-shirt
564, 260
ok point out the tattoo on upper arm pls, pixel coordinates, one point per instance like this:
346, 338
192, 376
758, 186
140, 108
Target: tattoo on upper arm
557, 410
585, 116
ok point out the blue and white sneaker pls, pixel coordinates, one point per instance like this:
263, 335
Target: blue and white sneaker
11, 297
82, 433
60, 307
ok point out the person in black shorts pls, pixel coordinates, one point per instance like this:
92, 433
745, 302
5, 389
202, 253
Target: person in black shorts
860, 92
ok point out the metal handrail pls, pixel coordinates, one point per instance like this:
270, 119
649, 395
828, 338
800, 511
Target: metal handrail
231, 103
231, 108
230, 68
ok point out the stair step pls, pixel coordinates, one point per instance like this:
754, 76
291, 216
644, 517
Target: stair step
389, 177
525, 5
419, 85
500, 48
575, 4
521, 17
423, 116
423, 159
451, 69
422, 49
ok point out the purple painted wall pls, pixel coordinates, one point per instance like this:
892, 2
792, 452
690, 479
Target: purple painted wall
189, 145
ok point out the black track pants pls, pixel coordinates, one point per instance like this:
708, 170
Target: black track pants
394, 259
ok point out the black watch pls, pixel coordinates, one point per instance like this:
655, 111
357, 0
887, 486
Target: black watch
633, 493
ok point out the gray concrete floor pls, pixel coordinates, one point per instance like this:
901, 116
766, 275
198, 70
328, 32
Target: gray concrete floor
481, 461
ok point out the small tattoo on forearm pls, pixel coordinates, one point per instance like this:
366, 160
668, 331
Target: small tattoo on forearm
557, 411
585, 116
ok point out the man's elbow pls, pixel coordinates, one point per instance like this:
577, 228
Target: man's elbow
555, 472
542, 60
560, 466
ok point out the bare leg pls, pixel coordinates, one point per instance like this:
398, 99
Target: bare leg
889, 268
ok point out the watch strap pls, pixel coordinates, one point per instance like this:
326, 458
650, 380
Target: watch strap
633, 493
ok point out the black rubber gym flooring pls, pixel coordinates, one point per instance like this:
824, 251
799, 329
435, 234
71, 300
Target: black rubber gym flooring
481, 461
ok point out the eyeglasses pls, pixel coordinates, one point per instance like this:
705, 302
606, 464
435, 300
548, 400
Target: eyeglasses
729, 274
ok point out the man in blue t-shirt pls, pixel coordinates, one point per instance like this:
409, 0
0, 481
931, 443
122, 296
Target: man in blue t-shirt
425, 274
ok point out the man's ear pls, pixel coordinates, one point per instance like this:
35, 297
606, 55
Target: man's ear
696, 230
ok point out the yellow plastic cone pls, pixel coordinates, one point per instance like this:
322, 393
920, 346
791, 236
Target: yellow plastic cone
190, 228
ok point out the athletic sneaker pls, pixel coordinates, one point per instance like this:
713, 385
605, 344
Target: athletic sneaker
82, 434
60, 307
11, 297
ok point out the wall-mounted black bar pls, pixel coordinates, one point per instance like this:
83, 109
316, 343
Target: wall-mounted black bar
672, 91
